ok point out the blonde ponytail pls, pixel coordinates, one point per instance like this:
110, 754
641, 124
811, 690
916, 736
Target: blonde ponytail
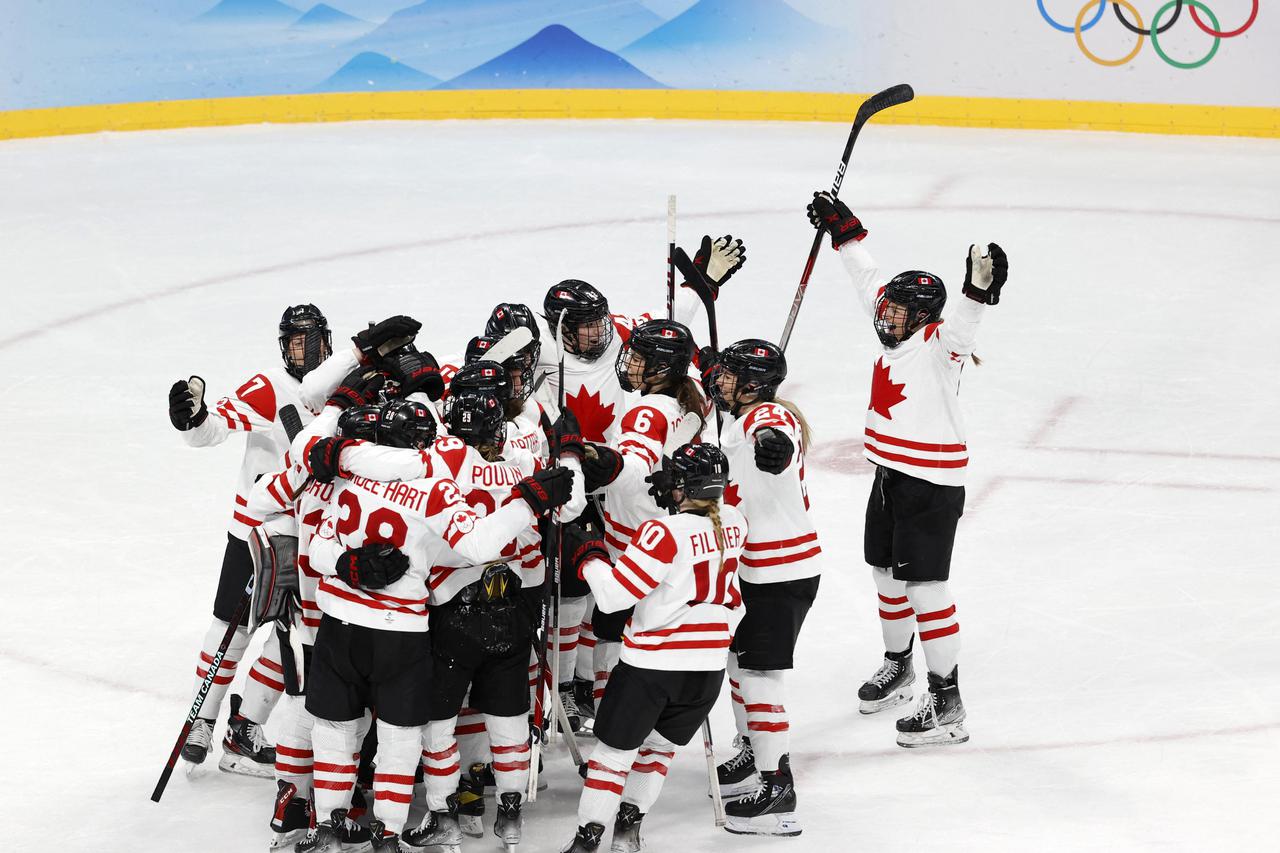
712, 510
806, 432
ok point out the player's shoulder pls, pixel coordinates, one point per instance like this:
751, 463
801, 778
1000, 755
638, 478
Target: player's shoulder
452, 453
769, 414
730, 514
265, 392
657, 538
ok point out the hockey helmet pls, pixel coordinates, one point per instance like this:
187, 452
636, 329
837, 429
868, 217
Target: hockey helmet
519, 366
315, 345
699, 471
664, 349
758, 367
588, 330
922, 295
360, 422
404, 423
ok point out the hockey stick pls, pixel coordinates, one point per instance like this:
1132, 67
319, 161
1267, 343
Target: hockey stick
713, 777
671, 257
891, 97
699, 284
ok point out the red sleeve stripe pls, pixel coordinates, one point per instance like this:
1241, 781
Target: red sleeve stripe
937, 614
240, 501
780, 543
768, 727
440, 574
245, 520
622, 529
274, 492
630, 446
640, 573
926, 636
627, 585
778, 561
226, 409
917, 461
898, 600
917, 445
693, 626
891, 615
614, 542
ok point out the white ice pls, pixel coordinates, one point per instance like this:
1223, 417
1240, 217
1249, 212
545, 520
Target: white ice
1115, 573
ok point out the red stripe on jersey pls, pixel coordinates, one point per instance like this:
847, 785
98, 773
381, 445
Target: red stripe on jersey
627, 585
925, 636
440, 574
631, 446
917, 461
898, 600
275, 493
890, 615
679, 644
767, 727
615, 541
937, 614
346, 595
640, 573
616, 525
765, 709
917, 445
241, 501
778, 561
245, 520
780, 543
693, 626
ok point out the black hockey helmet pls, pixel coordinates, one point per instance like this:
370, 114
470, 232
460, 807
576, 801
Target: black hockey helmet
488, 377
588, 331
518, 366
922, 294
405, 423
665, 349
317, 342
476, 415
700, 471
759, 366
360, 422
509, 316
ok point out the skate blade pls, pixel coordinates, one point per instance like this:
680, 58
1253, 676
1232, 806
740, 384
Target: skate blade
242, 766
876, 706
471, 824
770, 824
948, 735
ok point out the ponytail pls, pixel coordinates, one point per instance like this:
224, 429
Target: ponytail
688, 394
711, 509
806, 432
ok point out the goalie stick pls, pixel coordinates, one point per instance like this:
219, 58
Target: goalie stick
891, 97
292, 426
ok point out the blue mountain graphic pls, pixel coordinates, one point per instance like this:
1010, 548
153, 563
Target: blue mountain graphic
452, 36
324, 16
250, 12
373, 72
555, 58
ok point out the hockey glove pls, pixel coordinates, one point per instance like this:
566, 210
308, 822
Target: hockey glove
984, 275
719, 260
545, 490
600, 467
382, 338
415, 371
372, 566
569, 434
773, 450
358, 388
186, 404
660, 487
577, 546
833, 216
707, 360
324, 455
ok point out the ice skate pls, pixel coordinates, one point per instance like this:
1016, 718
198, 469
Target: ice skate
891, 686
570, 704
196, 749
738, 776
770, 809
626, 830
471, 800
587, 839
338, 834
508, 823
383, 841
939, 717
439, 831
245, 749
292, 818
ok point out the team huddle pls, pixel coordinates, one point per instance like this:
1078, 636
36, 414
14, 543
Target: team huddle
577, 528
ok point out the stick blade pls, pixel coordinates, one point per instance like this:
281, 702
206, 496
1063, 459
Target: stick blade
891, 97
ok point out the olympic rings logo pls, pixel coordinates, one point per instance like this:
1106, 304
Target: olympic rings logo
1153, 32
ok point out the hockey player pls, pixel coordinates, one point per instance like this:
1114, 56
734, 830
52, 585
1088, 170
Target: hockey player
377, 548
654, 362
916, 439
679, 574
304, 341
765, 439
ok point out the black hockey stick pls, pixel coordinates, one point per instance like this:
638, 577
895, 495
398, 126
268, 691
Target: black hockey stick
671, 257
292, 426
891, 97
698, 284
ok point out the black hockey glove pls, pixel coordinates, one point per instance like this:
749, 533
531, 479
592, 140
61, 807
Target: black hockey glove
186, 404
358, 388
984, 275
773, 450
324, 456
719, 260
707, 360
660, 487
415, 371
833, 216
600, 467
545, 490
381, 338
577, 546
372, 566
569, 434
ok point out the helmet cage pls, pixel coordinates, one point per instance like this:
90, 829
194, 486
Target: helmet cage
317, 343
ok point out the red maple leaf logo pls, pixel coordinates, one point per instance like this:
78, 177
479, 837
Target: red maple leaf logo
593, 416
885, 393
731, 496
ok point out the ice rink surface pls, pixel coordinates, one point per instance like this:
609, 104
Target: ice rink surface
1115, 573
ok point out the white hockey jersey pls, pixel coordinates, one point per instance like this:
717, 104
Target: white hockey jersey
253, 409
687, 601
642, 436
783, 544
914, 423
425, 518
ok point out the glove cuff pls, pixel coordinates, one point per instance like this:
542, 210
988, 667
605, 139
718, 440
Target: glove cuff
990, 296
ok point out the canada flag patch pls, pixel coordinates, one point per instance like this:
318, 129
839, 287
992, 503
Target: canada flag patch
760, 351
924, 279
667, 333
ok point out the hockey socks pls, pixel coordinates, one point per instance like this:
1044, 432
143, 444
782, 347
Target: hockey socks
294, 755
226, 671
648, 772
936, 619
266, 682
607, 773
572, 610
509, 741
337, 758
585, 661
765, 714
398, 750
441, 766
896, 624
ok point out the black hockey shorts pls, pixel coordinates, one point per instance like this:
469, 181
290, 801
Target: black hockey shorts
237, 567
766, 636
911, 525
484, 648
354, 667
639, 701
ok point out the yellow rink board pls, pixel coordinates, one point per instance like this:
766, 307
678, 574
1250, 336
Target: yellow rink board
642, 103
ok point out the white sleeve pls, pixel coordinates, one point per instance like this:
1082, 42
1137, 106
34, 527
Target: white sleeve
688, 309
489, 535
320, 383
960, 331
323, 425
323, 553
212, 431
385, 464
577, 493
863, 272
